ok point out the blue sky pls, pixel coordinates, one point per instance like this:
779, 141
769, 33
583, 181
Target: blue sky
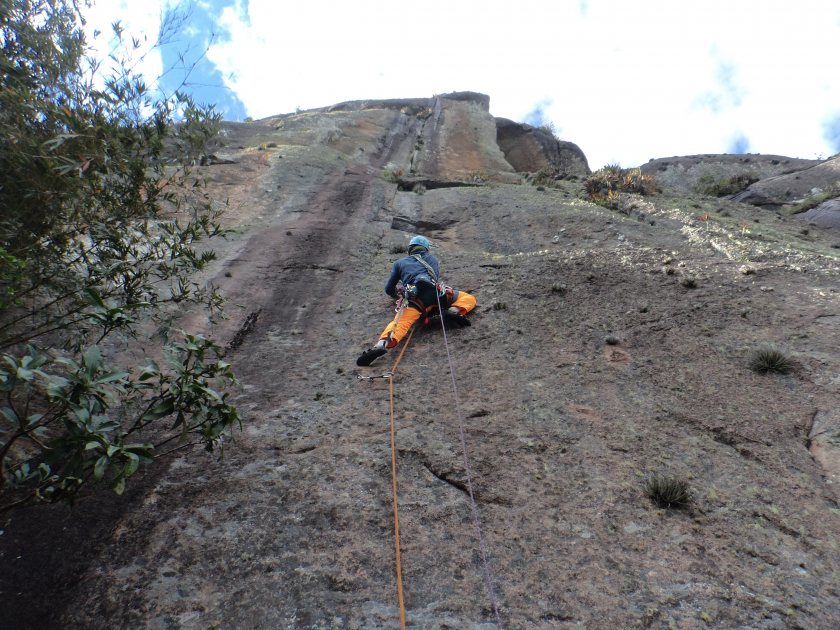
627, 81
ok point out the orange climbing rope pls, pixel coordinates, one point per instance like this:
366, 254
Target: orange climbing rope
394, 479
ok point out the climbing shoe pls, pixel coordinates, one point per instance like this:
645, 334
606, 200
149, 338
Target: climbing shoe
459, 319
368, 356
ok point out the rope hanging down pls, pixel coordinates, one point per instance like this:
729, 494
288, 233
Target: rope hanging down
467, 468
394, 480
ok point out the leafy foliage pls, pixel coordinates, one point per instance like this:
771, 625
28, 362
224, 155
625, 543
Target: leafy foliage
477, 177
604, 185
548, 128
395, 177
713, 187
102, 216
832, 191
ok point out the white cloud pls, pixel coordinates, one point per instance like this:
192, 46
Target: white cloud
624, 79
140, 20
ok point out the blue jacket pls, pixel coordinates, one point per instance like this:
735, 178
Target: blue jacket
410, 271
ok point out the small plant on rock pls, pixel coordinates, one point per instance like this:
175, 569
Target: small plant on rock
558, 287
548, 128
419, 189
399, 248
612, 340
688, 281
478, 177
542, 177
611, 179
500, 306
832, 191
769, 358
668, 491
713, 187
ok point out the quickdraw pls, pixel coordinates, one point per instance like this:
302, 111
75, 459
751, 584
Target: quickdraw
370, 378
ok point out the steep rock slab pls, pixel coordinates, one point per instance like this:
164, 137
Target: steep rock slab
797, 186
529, 149
825, 215
294, 529
683, 173
460, 138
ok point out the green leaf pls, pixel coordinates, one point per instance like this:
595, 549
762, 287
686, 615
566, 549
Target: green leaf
101, 467
35, 417
93, 298
111, 376
161, 410
93, 360
132, 465
184, 432
119, 484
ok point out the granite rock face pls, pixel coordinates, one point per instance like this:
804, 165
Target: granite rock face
791, 187
529, 149
684, 173
294, 528
459, 138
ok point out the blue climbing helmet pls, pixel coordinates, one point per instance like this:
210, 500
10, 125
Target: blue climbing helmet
422, 241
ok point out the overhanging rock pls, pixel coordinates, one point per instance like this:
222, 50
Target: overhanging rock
529, 149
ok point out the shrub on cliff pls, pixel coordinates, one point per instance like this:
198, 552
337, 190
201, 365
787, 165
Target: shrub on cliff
713, 187
101, 211
832, 191
548, 128
607, 182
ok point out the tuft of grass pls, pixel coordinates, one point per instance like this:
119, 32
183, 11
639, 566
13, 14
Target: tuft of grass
688, 281
668, 271
500, 306
548, 128
768, 358
668, 491
399, 248
542, 177
419, 189
478, 177
395, 177
558, 287
831, 191
714, 187
611, 340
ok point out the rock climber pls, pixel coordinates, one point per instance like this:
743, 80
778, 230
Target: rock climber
418, 273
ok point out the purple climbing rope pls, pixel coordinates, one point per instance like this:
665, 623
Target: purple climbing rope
467, 467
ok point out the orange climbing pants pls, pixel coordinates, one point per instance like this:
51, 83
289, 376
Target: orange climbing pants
465, 304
